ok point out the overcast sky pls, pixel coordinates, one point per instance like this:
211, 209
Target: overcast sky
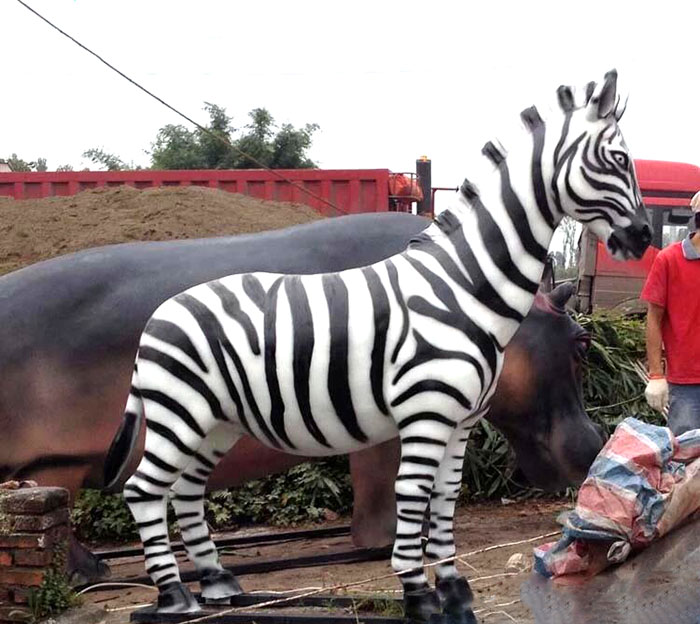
387, 82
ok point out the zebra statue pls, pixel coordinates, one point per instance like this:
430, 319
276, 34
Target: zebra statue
411, 346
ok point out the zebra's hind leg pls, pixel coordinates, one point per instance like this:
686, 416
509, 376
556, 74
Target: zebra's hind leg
423, 443
455, 594
218, 585
146, 495
171, 442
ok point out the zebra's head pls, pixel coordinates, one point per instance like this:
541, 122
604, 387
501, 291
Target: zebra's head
594, 180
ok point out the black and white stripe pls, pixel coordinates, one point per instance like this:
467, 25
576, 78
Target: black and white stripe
411, 346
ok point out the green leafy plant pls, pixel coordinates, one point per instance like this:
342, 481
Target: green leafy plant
612, 389
99, 517
55, 593
305, 493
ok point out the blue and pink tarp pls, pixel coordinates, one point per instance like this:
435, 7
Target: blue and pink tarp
644, 482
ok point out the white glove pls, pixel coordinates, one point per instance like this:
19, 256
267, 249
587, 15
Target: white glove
656, 394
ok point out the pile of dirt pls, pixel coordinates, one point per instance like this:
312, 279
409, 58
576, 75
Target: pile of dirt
37, 229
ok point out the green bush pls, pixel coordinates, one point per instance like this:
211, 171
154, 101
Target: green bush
302, 494
102, 517
612, 391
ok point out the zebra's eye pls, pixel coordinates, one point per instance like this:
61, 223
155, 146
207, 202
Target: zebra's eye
621, 159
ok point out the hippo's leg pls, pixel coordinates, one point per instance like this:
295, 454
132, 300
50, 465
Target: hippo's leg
187, 498
83, 566
373, 472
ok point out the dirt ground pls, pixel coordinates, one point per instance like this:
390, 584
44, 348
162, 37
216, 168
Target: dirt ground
37, 229
497, 592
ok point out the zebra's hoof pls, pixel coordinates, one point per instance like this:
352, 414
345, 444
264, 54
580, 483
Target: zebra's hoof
466, 617
175, 598
455, 595
421, 605
218, 586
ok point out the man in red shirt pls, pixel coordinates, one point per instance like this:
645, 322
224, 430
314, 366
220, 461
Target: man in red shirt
672, 291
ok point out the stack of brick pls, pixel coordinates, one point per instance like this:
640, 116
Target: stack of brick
34, 530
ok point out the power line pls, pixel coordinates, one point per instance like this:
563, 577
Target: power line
177, 112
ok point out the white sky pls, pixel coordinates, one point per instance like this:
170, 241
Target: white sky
386, 81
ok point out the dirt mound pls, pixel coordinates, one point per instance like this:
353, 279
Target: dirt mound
37, 229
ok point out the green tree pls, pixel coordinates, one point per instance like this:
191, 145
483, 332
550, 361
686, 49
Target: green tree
176, 147
215, 145
110, 161
17, 164
260, 143
290, 145
256, 143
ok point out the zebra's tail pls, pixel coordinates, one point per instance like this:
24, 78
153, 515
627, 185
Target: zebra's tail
125, 440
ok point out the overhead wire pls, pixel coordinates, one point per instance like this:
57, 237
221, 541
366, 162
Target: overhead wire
202, 128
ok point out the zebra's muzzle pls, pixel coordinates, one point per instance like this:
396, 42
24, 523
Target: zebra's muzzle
629, 242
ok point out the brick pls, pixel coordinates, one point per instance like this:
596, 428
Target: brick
38, 500
5, 595
41, 523
20, 595
33, 558
5, 558
26, 577
19, 540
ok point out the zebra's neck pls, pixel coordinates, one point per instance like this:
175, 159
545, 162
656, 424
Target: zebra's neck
493, 240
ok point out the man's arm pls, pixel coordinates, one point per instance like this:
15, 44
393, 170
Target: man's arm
655, 315
656, 392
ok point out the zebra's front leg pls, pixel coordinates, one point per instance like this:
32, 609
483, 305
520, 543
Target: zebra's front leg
187, 497
454, 591
423, 444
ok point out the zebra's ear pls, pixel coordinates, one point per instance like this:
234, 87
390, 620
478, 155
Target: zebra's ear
566, 98
604, 100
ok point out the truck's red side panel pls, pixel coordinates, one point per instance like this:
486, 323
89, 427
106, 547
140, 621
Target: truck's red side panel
349, 190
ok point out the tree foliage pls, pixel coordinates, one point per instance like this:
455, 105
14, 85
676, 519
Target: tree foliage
17, 164
260, 143
107, 160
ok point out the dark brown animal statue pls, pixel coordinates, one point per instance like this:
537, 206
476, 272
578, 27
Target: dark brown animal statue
69, 328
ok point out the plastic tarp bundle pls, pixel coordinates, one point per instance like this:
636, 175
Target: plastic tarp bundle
643, 483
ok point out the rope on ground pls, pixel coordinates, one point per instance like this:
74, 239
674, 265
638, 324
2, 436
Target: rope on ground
108, 584
270, 603
221, 139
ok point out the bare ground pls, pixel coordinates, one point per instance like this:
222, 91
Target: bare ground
497, 592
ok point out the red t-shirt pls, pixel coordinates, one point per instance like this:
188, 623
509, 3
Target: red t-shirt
674, 283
